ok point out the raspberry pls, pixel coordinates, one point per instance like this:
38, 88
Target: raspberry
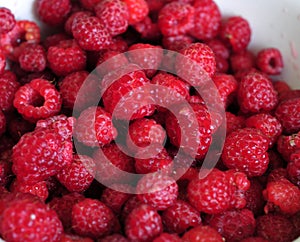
176, 43
246, 150
7, 20
293, 168
176, 18
287, 112
207, 18
78, 176
66, 57
219, 48
63, 207
287, 145
237, 32
143, 224
108, 160
254, 197
33, 58
8, 88
275, 228
144, 132
37, 100
114, 238
283, 194
234, 122
92, 218
242, 61
114, 15
72, 18
94, 127
29, 219
234, 225
53, 12
203, 56
256, 94
90, 33
157, 190
202, 234
267, 124
138, 10
180, 217
269, 61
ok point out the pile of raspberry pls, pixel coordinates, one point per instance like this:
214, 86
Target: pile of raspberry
50, 192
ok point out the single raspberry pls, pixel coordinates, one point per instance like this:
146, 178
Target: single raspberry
7, 20
78, 176
267, 124
234, 225
8, 88
109, 160
234, 122
275, 228
144, 132
287, 112
143, 224
114, 15
138, 10
119, 44
89, 4
166, 237
38, 99
237, 32
94, 127
92, 218
242, 61
63, 207
207, 18
176, 43
161, 161
90, 33
157, 190
254, 197
74, 238
202, 234
219, 48
198, 140
270, 61
180, 217
66, 57
293, 168
69, 22
114, 238
246, 150
176, 18
287, 145
283, 194
29, 219
256, 94
33, 58
203, 56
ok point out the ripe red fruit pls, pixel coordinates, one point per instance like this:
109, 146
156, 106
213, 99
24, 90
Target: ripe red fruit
138, 10
7, 20
269, 61
287, 145
202, 234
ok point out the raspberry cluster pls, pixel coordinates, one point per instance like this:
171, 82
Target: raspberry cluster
49, 191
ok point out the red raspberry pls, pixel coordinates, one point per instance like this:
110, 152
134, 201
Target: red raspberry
114, 15
197, 141
66, 57
144, 132
207, 18
242, 61
234, 122
114, 238
115, 159
180, 217
143, 224
8, 88
237, 32
219, 48
160, 161
72, 18
54, 152
90, 33
234, 225
32, 220
203, 56
254, 197
94, 127
63, 207
267, 124
283, 194
287, 112
293, 168
89, 4
7, 20
176, 43
176, 18
74, 238
275, 228
78, 176
256, 94
33, 58
37, 100
202, 234
246, 150
92, 218
287, 145
157, 190
138, 10
269, 61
